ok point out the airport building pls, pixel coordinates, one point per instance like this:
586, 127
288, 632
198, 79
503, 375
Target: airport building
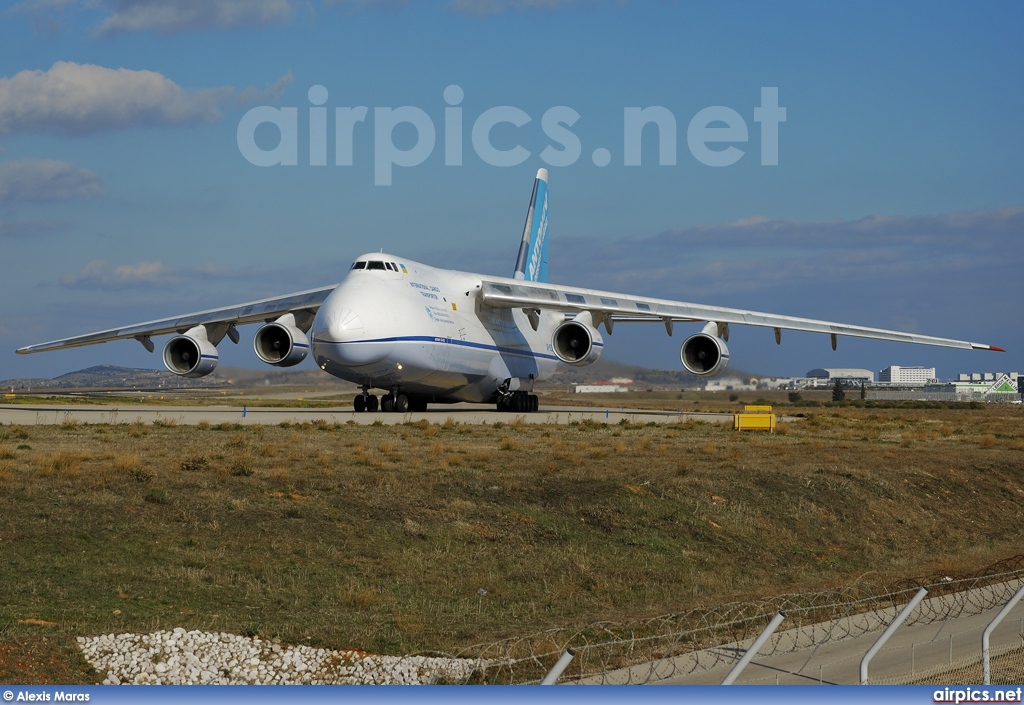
1001, 387
849, 376
910, 376
599, 388
615, 384
982, 384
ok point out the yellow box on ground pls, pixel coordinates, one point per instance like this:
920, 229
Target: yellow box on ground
753, 409
753, 422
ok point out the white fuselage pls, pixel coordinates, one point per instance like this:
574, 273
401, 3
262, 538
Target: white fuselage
422, 331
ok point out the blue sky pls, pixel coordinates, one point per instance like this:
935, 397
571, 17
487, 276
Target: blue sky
897, 200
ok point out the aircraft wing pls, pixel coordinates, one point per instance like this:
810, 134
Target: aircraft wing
219, 318
607, 306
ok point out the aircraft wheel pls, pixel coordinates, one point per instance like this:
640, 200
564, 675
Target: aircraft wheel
520, 400
417, 405
359, 404
401, 403
534, 403
387, 403
371, 403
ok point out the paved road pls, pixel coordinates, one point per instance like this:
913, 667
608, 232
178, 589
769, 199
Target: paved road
36, 414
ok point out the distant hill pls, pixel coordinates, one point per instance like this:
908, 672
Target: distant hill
605, 370
115, 377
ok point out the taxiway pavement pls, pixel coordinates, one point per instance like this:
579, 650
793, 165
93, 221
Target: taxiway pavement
50, 414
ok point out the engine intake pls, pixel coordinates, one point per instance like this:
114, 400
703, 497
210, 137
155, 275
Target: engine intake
704, 355
191, 354
280, 344
577, 343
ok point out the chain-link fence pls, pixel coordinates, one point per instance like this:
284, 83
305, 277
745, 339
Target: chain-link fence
672, 646
1006, 664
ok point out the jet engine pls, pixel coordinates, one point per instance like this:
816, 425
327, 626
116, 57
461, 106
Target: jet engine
191, 354
577, 342
281, 344
704, 354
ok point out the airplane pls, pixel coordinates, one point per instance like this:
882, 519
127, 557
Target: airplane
422, 334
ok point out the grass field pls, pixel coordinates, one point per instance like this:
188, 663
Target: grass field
432, 537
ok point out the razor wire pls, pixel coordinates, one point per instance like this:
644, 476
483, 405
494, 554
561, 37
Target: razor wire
668, 646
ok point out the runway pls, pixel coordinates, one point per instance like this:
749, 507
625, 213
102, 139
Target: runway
56, 414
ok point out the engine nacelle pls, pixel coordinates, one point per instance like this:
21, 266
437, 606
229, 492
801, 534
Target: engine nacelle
576, 343
704, 355
280, 344
191, 354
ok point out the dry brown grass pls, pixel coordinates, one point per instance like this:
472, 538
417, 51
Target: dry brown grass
67, 462
126, 462
380, 536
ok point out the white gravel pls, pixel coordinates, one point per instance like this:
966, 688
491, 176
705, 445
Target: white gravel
179, 657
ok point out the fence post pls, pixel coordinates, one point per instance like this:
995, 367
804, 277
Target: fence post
890, 630
754, 648
556, 671
986, 666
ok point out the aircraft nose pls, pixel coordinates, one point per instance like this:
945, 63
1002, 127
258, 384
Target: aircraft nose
345, 326
342, 337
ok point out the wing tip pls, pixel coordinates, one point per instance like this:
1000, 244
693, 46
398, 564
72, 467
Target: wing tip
997, 349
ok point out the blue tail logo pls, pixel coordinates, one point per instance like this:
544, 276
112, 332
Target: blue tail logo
532, 263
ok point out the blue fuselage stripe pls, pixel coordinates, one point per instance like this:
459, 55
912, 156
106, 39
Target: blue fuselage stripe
450, 341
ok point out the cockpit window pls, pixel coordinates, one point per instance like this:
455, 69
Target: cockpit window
388, 265
375, 264
359, 265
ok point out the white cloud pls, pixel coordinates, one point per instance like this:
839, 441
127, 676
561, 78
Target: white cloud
467, 7
42, 13
493, 7
46, 180
31, 6
369, 4
268, 95
77, 99
761, 255
29, 229
100, 274
182, 15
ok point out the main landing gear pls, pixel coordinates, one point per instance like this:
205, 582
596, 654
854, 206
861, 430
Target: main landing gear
394, 401
364, 402
520, 402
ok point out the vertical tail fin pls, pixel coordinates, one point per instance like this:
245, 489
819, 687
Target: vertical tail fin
532, 263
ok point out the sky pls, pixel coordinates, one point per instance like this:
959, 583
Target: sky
856, 163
